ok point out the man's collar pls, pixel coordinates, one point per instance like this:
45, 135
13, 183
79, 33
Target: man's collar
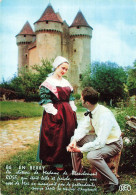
95, 109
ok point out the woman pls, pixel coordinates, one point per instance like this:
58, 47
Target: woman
59, 117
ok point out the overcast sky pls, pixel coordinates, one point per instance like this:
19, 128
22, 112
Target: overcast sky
113, 23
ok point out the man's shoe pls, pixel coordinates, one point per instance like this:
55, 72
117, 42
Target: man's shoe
111, 188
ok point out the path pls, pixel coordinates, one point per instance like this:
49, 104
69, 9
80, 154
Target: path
18, 134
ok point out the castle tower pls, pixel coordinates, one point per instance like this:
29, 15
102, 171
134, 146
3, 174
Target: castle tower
48, 35
23, 40
65, 40
80, 42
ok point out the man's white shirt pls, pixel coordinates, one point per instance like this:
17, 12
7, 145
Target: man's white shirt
105, 125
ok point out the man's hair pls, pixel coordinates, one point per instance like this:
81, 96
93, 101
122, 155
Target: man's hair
90, 95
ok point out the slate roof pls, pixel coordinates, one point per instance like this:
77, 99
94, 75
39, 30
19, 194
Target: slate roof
49, 15
59, 17
80, 20
26, 30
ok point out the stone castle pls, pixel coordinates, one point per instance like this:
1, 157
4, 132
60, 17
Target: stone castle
53, 37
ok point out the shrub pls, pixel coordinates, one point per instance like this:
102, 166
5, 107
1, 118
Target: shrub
128, 155
77, 96
26, 85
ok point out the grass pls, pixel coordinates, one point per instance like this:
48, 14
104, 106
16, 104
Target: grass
24, 183
35, 182
15, 110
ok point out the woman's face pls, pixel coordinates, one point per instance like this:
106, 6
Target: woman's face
62, 69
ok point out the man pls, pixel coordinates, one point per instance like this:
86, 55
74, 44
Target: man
106, 143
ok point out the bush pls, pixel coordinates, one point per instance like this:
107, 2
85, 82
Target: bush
128, 162
26, 85
77, 96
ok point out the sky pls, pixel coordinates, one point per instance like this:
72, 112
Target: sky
113, 23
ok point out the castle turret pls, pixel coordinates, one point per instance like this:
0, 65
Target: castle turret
80, 41
48, 34
23, 40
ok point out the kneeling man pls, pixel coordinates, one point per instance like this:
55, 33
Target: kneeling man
106, 142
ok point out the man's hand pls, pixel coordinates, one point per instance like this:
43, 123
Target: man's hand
76, 149
72, 147
73, 143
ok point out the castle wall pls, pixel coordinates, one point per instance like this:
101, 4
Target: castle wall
22, 56
33, 57
65, 41
80, 38
81, 48
24, 39
48, 25
48, 45
81, 30
79, 58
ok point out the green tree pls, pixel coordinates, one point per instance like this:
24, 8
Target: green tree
131, 80
109, 80
26, 85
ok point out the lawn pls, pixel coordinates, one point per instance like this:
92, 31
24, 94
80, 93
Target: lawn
15, 110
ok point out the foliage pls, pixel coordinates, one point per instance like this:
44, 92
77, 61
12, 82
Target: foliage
26, 85
131, 80
128, 161
76, 96
86, 78
108, 79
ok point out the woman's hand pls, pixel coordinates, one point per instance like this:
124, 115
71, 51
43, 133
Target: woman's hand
49, 108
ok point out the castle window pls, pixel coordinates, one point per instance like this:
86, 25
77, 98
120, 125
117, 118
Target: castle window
26, 56
24, 35
80, 77
78, 27
46, 22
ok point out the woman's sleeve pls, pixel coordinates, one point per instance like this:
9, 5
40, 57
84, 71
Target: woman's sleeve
46, 100
71, 98
45, 95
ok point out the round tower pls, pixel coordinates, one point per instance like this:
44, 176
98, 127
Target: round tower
23, 40
48, 31
80, 47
